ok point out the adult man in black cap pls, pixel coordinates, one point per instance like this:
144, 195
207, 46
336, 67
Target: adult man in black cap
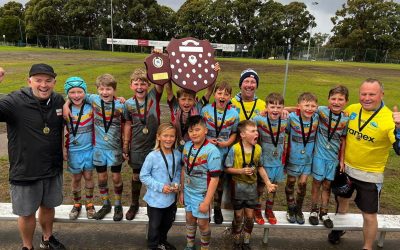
35, 129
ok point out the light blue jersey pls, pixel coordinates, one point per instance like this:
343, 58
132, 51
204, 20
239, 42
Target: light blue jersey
112, 139
83, 139
271, 155
323, 148
298, 153
229, 127
207, 164
154, 174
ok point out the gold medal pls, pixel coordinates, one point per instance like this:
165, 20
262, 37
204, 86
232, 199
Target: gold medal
145, 130
275, 153
182, 142
105, 138
75, 142
359, 137
303, 151
187, 181
46, 130
328, 146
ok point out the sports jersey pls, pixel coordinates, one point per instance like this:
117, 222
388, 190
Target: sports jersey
111, 139
271, 156
230, 123
206, 165
176, 113
243, 187
142, 142
155, 174
323, 148
258, 105
235, 160
371, 151
298, 154
84, 134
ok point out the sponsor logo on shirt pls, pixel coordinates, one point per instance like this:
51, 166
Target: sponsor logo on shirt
363, 136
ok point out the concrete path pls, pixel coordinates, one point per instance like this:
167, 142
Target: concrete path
114, 236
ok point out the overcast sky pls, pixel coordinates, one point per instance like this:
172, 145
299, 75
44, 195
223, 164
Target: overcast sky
323, 11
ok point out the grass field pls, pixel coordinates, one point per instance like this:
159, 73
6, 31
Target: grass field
317, 77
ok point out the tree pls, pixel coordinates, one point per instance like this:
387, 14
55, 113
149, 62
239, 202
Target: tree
297, 20
269, 32
193, 19
83, 17
362, 24
45, 17
245, 17
222, 28
12, 9
318, 39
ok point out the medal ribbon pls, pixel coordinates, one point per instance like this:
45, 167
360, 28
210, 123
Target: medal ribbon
144, 122
271, 133
360, 128
166, 164
330, 124
305, 140
183, 127
44, 118
219, 128
244, 155
190, 166
103, 112
74, 130
244, 110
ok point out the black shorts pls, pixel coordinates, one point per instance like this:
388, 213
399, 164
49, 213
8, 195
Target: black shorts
240, 204
367, 196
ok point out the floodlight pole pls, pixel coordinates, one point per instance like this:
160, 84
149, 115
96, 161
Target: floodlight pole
112, 30
286, 68
309, 39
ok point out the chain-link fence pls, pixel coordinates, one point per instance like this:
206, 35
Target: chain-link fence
279, 52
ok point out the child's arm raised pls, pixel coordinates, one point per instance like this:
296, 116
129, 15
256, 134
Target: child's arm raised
170, 93
270, 186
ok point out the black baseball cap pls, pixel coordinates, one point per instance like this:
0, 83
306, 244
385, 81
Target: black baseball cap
42, 68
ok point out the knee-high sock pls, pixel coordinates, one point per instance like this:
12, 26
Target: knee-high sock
117, 194
104, 193
89, 195
205, 239
190, 234
76, 194
136, 186
247, 229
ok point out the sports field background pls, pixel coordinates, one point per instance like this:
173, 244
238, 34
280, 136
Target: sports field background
316, 77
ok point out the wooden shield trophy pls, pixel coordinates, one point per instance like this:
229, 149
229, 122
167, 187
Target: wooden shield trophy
158, 68
192, 63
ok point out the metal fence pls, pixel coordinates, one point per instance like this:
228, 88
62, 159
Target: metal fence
280, 52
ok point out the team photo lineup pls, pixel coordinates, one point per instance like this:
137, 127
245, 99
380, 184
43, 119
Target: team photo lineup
240, 144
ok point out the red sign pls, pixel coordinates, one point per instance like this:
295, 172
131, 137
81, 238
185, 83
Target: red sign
143, 43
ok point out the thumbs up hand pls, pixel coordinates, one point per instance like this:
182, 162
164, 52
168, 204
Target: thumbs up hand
396, 116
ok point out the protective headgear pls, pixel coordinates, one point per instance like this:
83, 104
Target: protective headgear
74, 82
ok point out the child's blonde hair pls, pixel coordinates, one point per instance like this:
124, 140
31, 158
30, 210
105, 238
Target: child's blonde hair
106, 80
163, 127
139, 74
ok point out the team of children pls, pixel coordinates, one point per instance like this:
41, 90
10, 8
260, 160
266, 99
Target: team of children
102, 132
